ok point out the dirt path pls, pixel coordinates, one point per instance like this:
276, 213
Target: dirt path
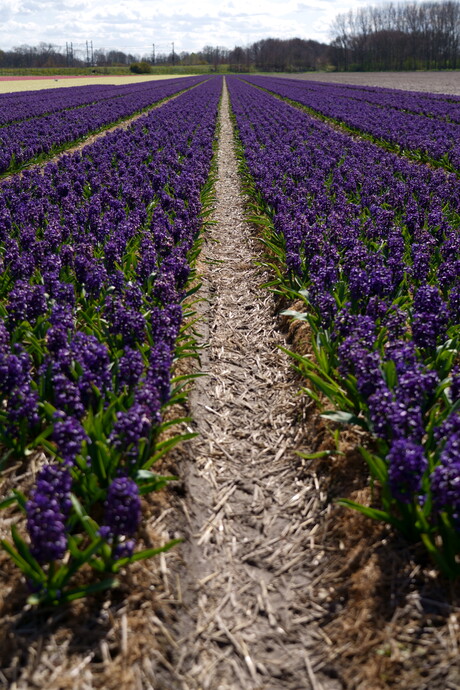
250, 551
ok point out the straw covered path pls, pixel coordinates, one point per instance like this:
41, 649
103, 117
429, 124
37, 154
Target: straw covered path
251, 512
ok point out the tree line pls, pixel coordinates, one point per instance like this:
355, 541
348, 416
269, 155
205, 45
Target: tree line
269, 54
49, 55
398, 36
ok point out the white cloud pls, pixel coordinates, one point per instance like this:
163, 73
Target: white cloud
133, 25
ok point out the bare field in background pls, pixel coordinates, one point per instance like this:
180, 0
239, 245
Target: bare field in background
35, 84
434, 82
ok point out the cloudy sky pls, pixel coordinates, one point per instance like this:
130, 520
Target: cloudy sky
134, 25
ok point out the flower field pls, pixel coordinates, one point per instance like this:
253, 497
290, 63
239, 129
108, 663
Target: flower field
42, 122
370, 242
96, 254
421, 125
96, 251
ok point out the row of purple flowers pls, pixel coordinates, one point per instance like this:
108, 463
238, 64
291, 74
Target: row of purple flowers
24, 105
371, 243
440, 106
430, 128
95, 260
71, 114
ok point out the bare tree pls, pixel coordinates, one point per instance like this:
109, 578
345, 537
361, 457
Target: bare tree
398, 36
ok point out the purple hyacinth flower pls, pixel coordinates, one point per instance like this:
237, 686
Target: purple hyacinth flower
130, 367
47, 512
26, 303
93, 357
68, 434
122, 508
430, 317
455, 384
407, 463
445, 480
445, 487
130, 427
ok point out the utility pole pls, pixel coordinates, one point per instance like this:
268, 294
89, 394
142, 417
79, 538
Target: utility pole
92, 55
87, 54
173, 53
153, 53
69, 53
